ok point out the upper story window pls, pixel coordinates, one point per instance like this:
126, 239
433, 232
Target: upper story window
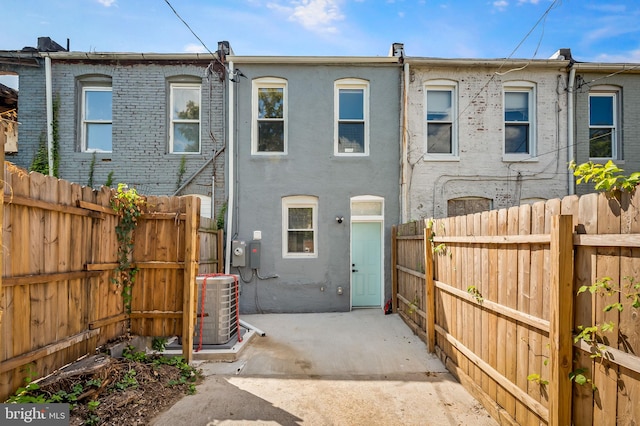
441, 121
97, 107
519, 119
351, 105
269, 104
299, 227
603, 125
184, 132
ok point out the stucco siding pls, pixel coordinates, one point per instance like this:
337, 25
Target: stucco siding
311, 168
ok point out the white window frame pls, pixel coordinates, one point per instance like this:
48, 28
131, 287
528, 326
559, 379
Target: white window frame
85, 121
530, 88
442, 85
351, 83
268, 83
172, 121
606, 91
299, 201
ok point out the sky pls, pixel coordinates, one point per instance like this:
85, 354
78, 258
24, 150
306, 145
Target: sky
594, 30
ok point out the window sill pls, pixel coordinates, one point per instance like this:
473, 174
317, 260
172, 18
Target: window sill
514, 158
442, 158
268, 154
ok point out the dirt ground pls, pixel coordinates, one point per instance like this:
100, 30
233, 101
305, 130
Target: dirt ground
117, 391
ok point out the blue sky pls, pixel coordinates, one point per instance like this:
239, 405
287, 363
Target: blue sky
595, 30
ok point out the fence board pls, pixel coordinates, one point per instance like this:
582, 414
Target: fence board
56, 307
506, 256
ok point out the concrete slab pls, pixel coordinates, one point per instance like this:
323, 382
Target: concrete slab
352, 368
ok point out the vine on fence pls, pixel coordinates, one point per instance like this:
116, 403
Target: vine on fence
128, 205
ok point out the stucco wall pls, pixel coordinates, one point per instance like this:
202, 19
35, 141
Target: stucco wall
310, 168
629, 120
481, 170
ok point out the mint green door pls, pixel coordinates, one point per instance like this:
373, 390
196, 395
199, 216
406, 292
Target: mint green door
366, 266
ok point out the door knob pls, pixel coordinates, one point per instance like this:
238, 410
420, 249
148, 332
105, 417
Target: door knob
354, 270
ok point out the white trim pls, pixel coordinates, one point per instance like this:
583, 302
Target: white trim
350, 83
268, 83
452, 87
529, 88
85, 121
613, 92
172, 121
299, 201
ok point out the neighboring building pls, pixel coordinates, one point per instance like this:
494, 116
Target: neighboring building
315, 157
153, 121
607, 115
8, 118
483, 134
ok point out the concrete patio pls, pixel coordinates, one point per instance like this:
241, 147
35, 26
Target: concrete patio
349, 368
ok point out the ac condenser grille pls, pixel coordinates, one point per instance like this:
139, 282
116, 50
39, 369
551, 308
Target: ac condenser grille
217, 323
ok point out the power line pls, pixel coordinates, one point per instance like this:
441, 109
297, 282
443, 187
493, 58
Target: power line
190, 29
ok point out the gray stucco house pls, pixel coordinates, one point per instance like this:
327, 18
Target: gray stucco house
153, 121
313, 161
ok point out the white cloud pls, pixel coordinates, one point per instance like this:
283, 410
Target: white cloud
528, 1
632, 56
315, 15
194, 48
500, 4
107, 3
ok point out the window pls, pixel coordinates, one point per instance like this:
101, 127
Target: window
440, 104
300, 223
519, 119
467, 205
269, 133
184, 132
96, 118
603, 128
352, 116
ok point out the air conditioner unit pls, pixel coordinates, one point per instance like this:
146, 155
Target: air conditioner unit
216, 319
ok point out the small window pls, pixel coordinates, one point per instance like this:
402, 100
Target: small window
300, 224
97, 108
441, 131
269, 132
519, 119
184, 135
603, 127
352, 115
467, 205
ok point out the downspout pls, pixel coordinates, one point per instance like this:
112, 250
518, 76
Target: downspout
49, 100
231, 171
404, 191
570, 127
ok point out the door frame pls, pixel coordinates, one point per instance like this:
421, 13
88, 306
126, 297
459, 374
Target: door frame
365, 218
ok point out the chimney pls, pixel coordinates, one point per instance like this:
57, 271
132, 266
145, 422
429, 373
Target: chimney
397, 50
562, 55
45, 44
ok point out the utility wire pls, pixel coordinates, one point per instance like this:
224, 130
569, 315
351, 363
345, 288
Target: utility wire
192, 32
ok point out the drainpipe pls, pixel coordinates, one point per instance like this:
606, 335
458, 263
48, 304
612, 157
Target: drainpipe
404, 193
231, 171
49, 101
570, 125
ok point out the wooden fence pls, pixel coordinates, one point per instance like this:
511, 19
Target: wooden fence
499, 302
57, 301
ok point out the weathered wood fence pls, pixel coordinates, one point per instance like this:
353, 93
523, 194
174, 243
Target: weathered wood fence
497, 301
57, 301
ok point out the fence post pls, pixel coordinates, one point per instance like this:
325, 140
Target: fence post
561, 319
394, 268
190, 271
430, 305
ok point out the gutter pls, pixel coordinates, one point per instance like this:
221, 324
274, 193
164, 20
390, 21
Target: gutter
301, 60
231, 170
49, 102
570, 127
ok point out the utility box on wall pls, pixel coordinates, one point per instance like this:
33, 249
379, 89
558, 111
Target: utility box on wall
238, 253
254, 255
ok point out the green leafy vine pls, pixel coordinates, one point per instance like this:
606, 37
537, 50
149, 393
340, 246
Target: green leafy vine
128, 206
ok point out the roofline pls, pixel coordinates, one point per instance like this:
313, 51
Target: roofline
607, 66
489, 63
313, 59
127, 56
